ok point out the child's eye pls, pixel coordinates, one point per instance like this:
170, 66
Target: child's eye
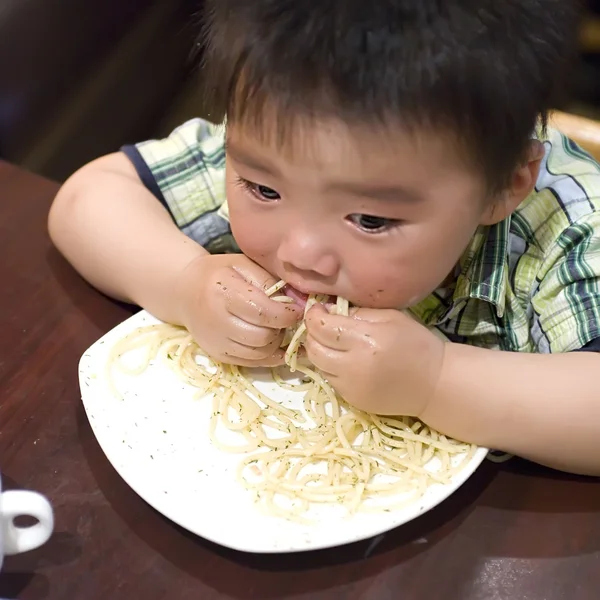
262, 192
371, 223
266, 192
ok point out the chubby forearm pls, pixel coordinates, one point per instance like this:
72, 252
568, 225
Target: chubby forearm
119, 237
542, 407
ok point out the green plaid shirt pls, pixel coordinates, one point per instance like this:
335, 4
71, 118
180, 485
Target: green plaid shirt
530, 283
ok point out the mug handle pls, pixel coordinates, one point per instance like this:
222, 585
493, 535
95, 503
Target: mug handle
15, 503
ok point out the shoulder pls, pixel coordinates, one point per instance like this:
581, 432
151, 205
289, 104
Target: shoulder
566, 196
185, 171
196, 142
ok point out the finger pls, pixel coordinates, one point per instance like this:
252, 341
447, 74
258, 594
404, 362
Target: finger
255, 275
374, 315
327, 360
248, 334
276, 359
334, 331
252, 305
236, 351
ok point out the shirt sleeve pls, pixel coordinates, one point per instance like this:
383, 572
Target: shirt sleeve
566, 303
593, 346
186, 173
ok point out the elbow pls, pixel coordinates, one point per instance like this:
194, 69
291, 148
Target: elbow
583, 466
58, 216
590, 470
74, 204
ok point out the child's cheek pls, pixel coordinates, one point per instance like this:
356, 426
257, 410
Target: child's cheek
257, 235
251, 238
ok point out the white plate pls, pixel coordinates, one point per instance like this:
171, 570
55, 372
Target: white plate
156, 437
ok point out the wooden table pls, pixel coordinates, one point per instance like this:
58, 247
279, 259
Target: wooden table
512, 532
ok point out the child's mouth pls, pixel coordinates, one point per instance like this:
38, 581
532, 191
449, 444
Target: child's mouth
300, 298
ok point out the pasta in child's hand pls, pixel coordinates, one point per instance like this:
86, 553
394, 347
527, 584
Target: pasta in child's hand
220, 301
380, 360
324, 453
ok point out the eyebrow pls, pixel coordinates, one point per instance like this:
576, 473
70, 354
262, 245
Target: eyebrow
385, 192
248, 160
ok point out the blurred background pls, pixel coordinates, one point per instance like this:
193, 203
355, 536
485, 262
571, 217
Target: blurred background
78, 82
585, 92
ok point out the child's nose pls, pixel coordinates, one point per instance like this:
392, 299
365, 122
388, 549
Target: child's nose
308, 252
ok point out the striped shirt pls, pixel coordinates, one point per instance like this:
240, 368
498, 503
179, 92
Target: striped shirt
531, 283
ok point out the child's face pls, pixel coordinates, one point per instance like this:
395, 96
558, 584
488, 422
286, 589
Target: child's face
378, 219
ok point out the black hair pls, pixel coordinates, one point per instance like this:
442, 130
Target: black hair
485, 71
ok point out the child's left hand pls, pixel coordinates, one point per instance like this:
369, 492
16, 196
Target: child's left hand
380, 361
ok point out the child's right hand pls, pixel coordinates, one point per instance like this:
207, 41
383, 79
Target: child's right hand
224, 306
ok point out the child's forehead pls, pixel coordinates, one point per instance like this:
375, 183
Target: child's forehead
331, 143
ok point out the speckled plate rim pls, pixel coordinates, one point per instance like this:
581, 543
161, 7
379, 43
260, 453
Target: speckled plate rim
154, 439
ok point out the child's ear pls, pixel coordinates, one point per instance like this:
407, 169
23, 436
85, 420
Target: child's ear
521, 185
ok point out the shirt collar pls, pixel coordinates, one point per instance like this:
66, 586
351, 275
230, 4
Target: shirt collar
483, 275
484, 267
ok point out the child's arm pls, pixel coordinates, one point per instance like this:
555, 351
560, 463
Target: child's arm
543, 407
119, 237
539, 406
122, 240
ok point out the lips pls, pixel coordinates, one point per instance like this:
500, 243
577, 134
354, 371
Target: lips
300, 298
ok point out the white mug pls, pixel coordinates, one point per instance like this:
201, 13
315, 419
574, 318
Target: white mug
17, 503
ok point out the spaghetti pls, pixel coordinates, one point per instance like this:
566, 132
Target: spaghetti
325, 452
